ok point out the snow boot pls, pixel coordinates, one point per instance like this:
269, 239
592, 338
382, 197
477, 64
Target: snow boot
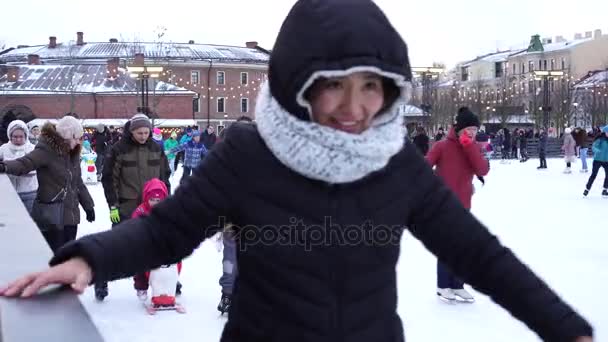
142, 295
224, 305
463, 296
605, 193
446, 295
101, 292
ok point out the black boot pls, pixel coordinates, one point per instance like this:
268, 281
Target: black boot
224, 305
605, 193
586, 192
101, 291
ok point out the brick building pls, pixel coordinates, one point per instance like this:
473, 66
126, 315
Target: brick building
212, 84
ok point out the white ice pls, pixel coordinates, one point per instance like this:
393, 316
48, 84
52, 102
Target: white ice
541, 215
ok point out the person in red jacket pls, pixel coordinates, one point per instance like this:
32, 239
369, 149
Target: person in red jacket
154, 192
458, 159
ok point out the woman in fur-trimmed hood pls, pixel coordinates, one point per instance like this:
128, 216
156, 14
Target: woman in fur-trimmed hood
56, 160
319, 192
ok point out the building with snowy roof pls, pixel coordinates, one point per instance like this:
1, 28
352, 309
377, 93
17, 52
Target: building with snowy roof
221, 81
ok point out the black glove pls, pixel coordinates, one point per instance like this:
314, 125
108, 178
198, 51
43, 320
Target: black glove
2, 168
90, 215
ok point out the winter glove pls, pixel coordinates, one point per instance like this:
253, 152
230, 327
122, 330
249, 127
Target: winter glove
465, 140
90, 215
114, 215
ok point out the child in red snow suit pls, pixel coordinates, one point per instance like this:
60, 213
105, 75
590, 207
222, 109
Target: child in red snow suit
154, 192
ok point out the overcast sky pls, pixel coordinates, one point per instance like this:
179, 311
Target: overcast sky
435, 30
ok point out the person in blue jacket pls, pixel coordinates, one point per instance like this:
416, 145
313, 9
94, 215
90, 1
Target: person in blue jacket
194, 152
600, 160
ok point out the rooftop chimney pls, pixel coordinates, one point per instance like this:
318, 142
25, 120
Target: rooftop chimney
52, 42
79, 38
12, 73
588, 34
113, 40
597, 34
191, 42
578, 36
33, 59
251, 45
112, 67
139, 59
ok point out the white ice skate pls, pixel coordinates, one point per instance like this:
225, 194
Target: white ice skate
463, 296
567, 170
163, 282
446, 295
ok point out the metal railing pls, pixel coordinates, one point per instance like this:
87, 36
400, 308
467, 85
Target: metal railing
56, 315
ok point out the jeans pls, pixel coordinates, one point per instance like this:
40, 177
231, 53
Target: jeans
230, 270
27, 198
446, 279
583, 153
172, 165
99, 163
543, 160
594, 170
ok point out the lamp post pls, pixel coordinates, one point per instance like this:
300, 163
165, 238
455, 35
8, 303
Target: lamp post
427, 74
545, 76
143, 74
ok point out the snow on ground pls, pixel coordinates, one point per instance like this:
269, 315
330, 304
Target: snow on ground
541, 215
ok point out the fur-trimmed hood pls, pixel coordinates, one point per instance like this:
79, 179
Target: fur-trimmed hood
51, 138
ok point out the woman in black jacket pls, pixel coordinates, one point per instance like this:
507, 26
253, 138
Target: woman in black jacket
319, 192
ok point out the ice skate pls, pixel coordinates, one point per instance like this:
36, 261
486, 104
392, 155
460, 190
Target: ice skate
584, 170
446, 295
605, 193
463, 296
142, 295
567, 170
586, 192
101, 292
224, 305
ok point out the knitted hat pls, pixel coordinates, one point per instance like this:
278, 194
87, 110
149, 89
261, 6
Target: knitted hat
568, 130
466, 118
174, 135
139, 121
157, 134
605, 129
69, 127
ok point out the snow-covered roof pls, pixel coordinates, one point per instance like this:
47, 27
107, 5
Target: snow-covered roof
556, 46
409, 110
596, 78
500, 56
150, 50
70, 79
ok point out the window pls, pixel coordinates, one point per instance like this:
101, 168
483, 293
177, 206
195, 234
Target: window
553, 64
244, 105
530, 66
221, 78
244, 78
195, 77
523, 68
545, 64
221, 104
498, 69
552, 85
464, 74
563, 63
530, 87
540, 65
514, 67
196, 104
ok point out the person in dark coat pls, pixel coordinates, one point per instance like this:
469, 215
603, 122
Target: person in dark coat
102, 140
506, 147
421, 140
129, 165
582, 146
440, 135
542, 149
6, 120
208, 137
56, 160
326, 156
523, 146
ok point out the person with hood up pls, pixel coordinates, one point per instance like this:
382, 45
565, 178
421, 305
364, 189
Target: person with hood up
569, 147
19, 145
34, 133
170, 144
194, 152
56, 160
130, 164
458, 159
327, 156
157, 136
600, 160
154, 192
542, 149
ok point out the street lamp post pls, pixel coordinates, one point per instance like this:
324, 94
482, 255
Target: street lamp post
144, 74
427, 74
545, 76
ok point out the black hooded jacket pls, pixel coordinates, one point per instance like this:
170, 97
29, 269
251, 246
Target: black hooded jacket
302, 276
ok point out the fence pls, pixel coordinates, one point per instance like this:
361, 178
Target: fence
56, 315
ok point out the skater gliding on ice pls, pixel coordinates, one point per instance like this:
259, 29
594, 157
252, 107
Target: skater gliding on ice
600, 160
327, 151
569, 147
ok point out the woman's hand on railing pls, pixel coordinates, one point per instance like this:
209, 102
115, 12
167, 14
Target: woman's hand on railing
74, 272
